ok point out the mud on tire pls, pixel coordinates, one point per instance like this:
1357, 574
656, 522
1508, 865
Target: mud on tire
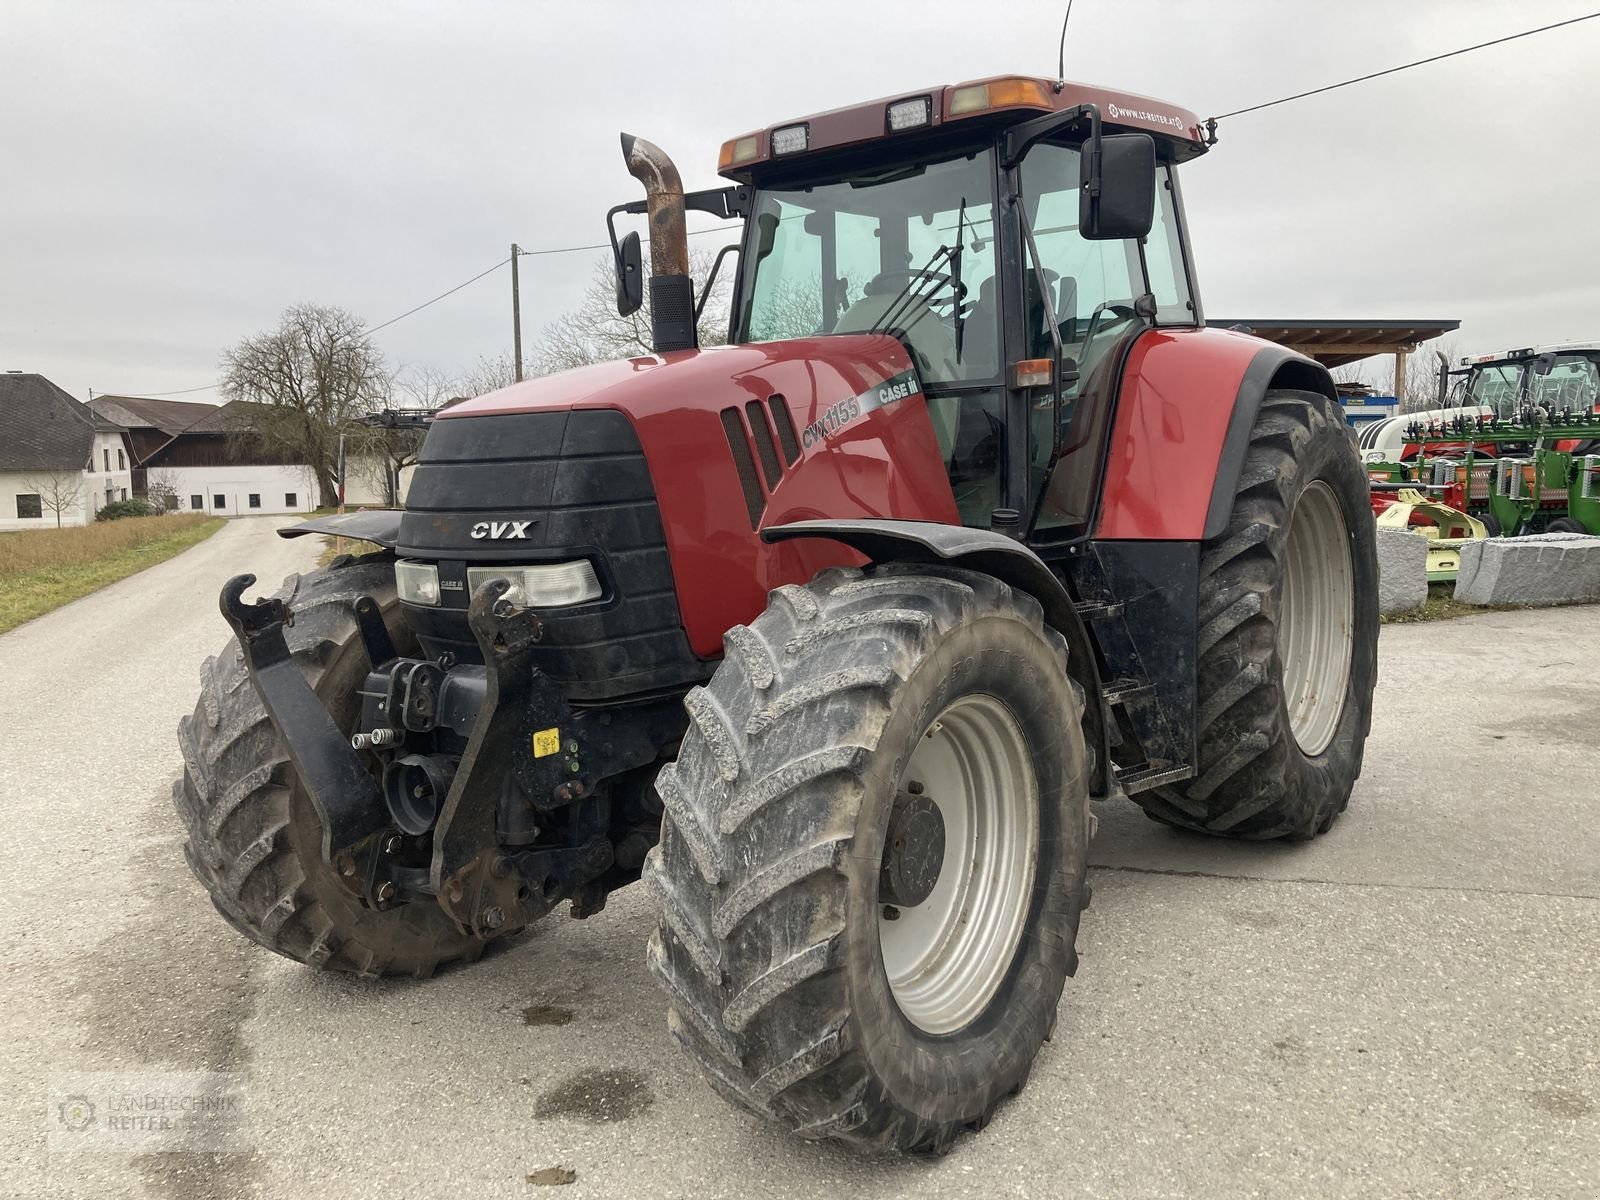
767, 875
1260, 773
254, 840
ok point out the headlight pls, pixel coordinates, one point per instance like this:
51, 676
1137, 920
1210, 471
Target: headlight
548, 585
417, 583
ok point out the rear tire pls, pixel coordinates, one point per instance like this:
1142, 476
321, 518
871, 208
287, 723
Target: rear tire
791, 983
254, 839
1566, 525
1288, 652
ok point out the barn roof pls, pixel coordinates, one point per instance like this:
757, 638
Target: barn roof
1335, 343
139, 412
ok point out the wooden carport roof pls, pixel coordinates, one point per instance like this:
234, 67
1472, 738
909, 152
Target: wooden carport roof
1335, 343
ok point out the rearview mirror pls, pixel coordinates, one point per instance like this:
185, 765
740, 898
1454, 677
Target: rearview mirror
630, 276
1117, 198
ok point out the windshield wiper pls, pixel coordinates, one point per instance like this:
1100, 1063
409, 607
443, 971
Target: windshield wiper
957, 317
909, 295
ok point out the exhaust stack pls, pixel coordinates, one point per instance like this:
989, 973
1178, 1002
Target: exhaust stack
671, 291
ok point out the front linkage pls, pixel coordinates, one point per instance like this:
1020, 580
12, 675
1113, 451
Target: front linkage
495, 797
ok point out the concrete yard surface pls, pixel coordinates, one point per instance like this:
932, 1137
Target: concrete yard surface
1408, 1006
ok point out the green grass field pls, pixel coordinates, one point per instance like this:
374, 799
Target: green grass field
42, 569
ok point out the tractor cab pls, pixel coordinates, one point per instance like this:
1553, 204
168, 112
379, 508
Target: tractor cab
1555, 378
1014, 234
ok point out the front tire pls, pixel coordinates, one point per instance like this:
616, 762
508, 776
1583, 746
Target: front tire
803, 995
254, 838
1288, 636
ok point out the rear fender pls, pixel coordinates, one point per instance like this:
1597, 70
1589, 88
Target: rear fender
884, 541
1186, 404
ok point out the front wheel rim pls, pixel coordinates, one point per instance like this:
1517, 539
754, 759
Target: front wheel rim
947, 957
1316, 624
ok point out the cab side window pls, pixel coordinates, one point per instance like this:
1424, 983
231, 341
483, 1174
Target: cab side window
1093, 286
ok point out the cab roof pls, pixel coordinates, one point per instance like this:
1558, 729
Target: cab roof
1475, 360
998, 100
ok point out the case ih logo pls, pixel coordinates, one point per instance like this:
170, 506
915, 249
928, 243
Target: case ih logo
1117, 113
896, 387
500, 529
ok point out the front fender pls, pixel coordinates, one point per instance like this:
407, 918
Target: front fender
993, 554
378, 525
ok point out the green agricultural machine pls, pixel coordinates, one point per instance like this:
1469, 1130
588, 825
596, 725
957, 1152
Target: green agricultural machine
1514, 444
1524, 474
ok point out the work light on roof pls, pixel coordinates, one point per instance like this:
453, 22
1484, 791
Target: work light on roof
791, 139
908, 114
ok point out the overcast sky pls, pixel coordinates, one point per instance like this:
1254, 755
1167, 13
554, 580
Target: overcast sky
173, 175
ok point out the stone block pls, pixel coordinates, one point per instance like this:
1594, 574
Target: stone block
1546, 568
1402, 571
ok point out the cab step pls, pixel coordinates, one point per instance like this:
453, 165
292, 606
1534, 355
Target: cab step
1145, 778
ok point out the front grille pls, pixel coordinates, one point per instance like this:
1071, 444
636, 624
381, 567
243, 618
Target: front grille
581, 482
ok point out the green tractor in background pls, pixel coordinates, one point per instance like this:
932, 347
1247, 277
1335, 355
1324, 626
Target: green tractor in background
1523, 454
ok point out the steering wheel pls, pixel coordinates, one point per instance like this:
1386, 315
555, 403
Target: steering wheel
1121, 312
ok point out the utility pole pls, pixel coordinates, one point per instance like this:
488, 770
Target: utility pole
516, 312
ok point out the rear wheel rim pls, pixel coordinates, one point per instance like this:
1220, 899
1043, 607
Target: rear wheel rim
947, 957
1317, 618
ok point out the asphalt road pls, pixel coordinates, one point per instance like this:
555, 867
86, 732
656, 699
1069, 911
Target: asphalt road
1409, 1006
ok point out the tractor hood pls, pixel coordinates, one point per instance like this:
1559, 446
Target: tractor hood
688, 454
834, 367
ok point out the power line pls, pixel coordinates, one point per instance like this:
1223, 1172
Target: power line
1211, 122
412, 311
606, 245
436, 299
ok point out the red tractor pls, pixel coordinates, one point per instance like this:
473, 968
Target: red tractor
831, 635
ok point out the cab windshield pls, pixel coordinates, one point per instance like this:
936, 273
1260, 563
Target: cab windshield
908, 249
1572, 382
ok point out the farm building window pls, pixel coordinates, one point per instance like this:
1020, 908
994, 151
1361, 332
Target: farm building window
219, 501
28, 506
255, 500
107, 454
197, 501
122, 462
291, 499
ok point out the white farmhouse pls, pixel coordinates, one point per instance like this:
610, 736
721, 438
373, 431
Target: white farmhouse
60, 462
206, 455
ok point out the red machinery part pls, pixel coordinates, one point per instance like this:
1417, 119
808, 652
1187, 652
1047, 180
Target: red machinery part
1178, 392
876, 457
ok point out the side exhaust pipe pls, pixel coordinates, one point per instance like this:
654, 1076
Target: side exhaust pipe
671, 290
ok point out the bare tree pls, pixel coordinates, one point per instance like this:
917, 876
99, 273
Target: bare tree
306, 381
1418, 390
161, 490
59, 491
378, 451
485, 375
1353, 373
593, 332
424, 387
